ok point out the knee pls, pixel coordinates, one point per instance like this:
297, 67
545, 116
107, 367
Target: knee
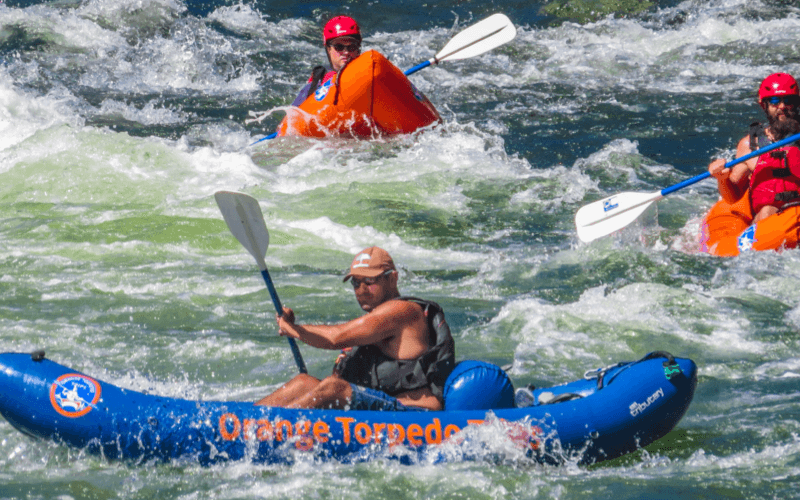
332, 386
303, 382
765, 212
332, 391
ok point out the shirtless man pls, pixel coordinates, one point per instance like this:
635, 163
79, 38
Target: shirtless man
778, 96
400, 351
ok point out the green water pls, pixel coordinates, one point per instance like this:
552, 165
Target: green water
118, 122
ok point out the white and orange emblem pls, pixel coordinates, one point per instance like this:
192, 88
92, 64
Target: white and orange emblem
74, 395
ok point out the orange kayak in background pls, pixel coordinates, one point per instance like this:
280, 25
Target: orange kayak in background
727, 229
370, 97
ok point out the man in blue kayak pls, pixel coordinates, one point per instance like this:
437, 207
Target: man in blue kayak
341, 37
396, 357
779, 97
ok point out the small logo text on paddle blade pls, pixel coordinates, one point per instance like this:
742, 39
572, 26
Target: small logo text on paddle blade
610, 204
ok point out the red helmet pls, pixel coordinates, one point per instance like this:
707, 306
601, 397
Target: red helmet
777, 84
340, 26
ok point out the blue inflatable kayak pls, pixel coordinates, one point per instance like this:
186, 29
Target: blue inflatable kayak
612, 411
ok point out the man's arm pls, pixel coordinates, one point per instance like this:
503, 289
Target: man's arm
385, 321
317, 74
302, 95
733, 182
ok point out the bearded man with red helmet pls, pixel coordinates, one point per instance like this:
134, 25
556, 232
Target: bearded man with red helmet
341, 37
772, 178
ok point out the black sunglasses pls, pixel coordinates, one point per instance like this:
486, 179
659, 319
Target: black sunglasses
368, 281
349, 47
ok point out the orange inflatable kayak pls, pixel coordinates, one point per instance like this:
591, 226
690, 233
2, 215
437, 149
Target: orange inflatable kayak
727, 229
370, 97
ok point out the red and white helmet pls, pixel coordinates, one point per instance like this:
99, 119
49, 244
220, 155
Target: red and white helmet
340, 26
777, 84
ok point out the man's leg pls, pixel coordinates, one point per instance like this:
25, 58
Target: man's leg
291, 391
765, 212
331, 392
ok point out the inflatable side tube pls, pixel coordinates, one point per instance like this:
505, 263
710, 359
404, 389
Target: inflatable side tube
370, 96
638, 403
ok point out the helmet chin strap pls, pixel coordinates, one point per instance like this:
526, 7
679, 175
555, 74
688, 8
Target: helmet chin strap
330, 61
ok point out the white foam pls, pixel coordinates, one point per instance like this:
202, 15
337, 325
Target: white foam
22, 114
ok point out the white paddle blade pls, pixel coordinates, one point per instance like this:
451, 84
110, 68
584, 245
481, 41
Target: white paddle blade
611, 214
484, 36
243, 216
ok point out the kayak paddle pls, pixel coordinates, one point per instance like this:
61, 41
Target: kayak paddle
484, 36
245, 220
492, 32
613, 213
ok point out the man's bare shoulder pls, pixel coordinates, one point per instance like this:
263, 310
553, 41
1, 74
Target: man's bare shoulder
405, 309
742, 149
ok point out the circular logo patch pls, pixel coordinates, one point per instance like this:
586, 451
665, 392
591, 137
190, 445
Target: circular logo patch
747, 239
74, 395
322, 91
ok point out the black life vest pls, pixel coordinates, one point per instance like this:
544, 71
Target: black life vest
367, 366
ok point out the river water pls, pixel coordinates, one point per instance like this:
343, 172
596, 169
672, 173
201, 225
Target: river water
119, 119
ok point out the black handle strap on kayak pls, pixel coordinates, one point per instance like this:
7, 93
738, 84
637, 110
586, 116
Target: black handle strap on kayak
660, 354
561, 398
600, 373
671, 368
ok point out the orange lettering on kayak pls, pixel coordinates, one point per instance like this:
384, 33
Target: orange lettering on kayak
283, 430
304, 441
345, 421
433, 432
414, 433
224, 421
396, 434
321, 432
264, 430
363, 433
306, 434
450, 430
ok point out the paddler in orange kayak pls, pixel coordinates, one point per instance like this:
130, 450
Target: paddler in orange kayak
341, 38
773, 178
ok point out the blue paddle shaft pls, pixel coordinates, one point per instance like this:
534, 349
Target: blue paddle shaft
272, 292
298, 358
758, 152
417, 68
687, 182
270, 136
